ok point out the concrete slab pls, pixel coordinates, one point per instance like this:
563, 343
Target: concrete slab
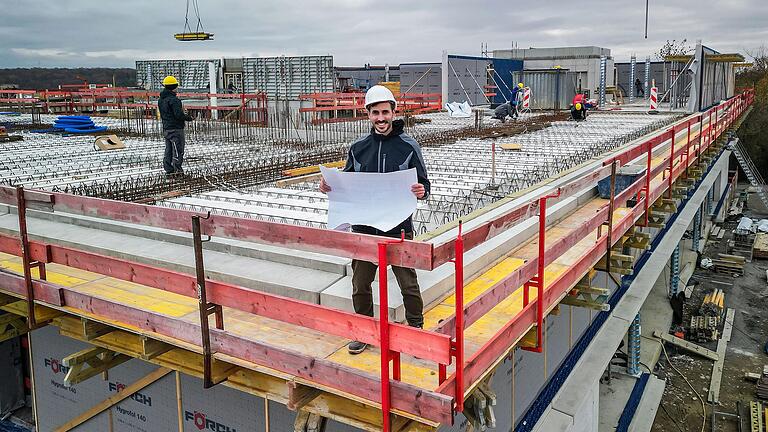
554, 420
292, 281
613, 400
649, 405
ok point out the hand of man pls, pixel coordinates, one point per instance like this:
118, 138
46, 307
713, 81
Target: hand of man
324, 188
418, 190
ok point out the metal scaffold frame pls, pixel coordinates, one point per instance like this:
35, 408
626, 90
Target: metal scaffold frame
442, 346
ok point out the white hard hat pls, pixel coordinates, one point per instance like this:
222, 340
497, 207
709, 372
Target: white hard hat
379, 93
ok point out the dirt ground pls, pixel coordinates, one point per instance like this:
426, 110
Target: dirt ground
680, 409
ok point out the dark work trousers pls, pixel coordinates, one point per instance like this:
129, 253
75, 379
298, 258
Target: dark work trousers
363, 273
174, 150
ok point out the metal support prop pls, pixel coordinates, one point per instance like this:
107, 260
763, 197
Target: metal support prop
647, 77
708, 202
611, 206
386, 354
206, 308
695, 237
26, 258
538, 280
632, 66
633, 347
603, 80
674, 272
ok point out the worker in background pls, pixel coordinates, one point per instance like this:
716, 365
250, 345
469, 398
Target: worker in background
385, 149
174, 118
639, 90
502, 111
579, 107
510, 108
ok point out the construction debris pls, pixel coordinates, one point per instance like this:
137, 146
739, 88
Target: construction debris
729, 264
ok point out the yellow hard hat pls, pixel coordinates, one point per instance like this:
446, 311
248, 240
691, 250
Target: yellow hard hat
520, 85
170, 80
578, 107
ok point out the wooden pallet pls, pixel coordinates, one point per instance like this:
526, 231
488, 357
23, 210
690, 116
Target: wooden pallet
760, 249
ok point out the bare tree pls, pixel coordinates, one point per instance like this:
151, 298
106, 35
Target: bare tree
673, 48
759, 57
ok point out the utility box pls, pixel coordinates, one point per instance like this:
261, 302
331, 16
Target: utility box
625, 176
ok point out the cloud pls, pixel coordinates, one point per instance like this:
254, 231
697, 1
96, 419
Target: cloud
86, 33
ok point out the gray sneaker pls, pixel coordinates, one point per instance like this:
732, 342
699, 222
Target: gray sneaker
356, 347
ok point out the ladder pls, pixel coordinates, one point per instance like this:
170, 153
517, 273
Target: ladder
755, 179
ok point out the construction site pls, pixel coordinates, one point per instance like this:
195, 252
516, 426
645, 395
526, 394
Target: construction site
575, 275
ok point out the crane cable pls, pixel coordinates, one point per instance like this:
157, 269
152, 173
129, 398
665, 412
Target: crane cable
187, 28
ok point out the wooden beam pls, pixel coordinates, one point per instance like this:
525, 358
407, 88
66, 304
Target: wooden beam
93, 329
692, 347
151, 348
42, 313
90, 362
11, 326
585, 303
717, 369
114, 399
300, 395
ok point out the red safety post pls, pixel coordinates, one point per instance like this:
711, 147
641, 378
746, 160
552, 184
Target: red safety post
538, 280
386, 354
458, 344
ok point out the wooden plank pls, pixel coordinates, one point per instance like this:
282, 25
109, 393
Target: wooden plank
114, 399
409, 340
300, 179
408, 398
410, 253
692, 347
717, 369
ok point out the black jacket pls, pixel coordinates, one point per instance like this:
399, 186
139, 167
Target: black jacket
171, 111
387, 153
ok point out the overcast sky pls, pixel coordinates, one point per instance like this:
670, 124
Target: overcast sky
114, 33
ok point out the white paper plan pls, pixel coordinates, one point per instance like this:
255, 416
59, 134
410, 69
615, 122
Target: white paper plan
380, 200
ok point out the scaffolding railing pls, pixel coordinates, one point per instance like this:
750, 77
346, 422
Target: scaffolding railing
443, 346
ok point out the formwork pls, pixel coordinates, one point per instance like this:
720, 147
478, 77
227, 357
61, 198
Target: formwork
500, 319
285, 78
192, 74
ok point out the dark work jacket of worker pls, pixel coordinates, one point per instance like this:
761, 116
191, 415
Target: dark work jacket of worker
387, 153
171, 111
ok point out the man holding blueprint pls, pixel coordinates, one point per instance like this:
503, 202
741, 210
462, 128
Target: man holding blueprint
384, 175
